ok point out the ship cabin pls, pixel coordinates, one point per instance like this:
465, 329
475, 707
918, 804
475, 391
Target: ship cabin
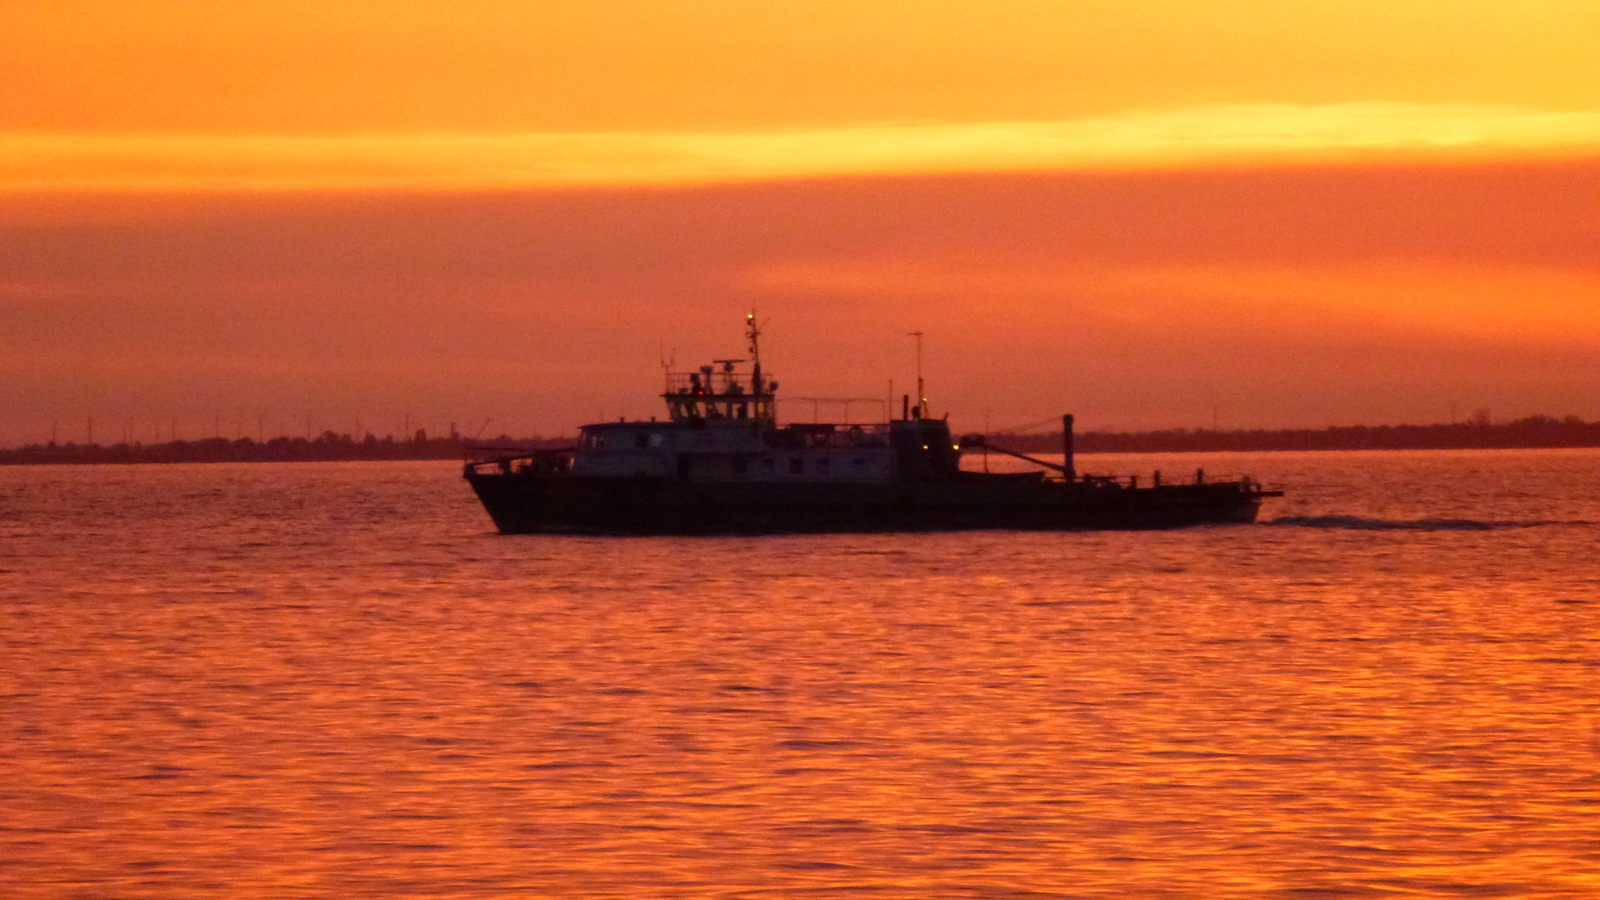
727, 450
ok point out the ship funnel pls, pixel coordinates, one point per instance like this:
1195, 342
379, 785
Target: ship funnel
1066, 448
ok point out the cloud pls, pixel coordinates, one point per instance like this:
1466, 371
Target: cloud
1199, 136
1290, 296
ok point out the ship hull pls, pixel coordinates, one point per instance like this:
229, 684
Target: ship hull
542, 504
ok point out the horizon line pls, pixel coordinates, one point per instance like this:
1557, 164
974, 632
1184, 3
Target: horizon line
1571, 420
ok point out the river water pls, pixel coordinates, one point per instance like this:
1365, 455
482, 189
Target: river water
334, 680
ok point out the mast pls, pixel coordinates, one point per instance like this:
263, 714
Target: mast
754, 333
922, 399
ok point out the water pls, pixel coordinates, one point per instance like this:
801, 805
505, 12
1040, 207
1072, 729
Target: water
333, 680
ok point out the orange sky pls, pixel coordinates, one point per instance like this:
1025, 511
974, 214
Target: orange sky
1297, 214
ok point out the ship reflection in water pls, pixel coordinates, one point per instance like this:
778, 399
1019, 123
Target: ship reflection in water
334, 681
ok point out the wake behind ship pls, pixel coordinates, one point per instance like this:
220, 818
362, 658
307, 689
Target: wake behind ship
721, 464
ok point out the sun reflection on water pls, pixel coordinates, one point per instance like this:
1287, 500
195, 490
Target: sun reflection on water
228, 699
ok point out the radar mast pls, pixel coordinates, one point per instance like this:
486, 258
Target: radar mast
753, 331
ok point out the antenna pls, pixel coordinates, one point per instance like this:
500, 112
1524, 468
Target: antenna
922, 400
667, 363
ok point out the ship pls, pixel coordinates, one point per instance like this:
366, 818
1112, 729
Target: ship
721, 464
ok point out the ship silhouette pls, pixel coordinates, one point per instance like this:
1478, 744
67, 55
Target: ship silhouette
722, 464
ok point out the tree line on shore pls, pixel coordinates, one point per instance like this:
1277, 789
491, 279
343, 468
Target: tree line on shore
328, 447
1530, 432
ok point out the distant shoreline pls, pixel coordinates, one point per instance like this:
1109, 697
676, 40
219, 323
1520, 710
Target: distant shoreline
1533, 432
327, 448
